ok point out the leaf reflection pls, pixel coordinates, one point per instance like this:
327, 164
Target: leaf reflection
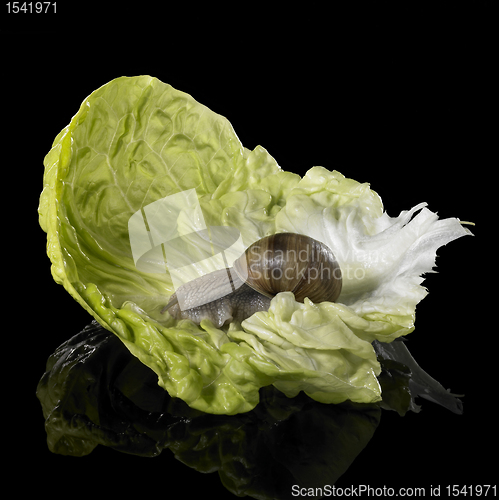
95, 392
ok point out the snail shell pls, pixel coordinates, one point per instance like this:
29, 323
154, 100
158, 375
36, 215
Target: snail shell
290, 262
283, 262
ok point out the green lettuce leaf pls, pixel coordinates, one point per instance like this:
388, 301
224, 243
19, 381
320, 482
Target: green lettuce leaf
137, 140
313, 340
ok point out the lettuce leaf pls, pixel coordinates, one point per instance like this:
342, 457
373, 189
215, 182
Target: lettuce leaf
137, 140
382, 258
314, 341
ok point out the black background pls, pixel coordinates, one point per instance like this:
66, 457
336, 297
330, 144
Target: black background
397, 96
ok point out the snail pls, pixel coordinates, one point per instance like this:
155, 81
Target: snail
276, 263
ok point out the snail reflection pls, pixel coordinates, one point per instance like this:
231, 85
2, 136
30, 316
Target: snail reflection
283, 262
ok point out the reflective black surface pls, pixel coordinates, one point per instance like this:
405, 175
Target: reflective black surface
94, 392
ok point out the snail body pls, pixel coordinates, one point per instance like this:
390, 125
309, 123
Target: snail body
283, 262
